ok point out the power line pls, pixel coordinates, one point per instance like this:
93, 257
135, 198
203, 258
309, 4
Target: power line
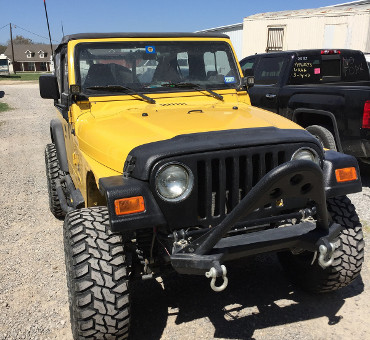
4, 26
17, 26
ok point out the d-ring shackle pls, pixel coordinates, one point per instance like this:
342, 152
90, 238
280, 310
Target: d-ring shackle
213, 274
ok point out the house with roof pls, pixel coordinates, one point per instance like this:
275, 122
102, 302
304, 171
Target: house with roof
30, 58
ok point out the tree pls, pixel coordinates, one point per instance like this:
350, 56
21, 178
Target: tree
21, 40
2, 48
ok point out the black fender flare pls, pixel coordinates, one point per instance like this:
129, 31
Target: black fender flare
336, 160
117, 187
329, 114
57, 136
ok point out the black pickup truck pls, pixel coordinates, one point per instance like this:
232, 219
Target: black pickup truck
325, 91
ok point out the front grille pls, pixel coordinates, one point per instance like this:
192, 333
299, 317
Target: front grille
223, 181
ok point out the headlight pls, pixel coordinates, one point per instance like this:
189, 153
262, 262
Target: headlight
174, 182
307, 155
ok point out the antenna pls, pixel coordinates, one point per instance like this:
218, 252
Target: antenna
62, 27
47, 21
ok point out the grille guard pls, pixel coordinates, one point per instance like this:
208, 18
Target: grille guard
290, 180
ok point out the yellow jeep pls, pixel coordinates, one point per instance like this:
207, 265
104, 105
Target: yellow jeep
158, 162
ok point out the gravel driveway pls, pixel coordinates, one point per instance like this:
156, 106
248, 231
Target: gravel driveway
258, 304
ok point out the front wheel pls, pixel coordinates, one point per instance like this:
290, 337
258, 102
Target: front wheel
97, 276
348, 257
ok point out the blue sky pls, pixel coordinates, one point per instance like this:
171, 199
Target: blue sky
133, 16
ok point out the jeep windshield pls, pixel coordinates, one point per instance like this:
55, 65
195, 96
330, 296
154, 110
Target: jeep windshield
149, 66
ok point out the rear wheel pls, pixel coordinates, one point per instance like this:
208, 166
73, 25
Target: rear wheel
324, 136
97, 276
53, 173
348, 257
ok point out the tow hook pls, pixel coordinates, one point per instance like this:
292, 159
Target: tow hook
326, 256
213, 274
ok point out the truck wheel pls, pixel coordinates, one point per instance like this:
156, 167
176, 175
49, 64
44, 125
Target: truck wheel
348, 257
53, 173
97, 276
324, 136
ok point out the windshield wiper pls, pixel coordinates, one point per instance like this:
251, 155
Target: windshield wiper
120, 88
194, 86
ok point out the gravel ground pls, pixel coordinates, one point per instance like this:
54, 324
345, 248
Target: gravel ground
258, 304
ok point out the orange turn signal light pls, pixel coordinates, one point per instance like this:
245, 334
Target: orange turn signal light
130, 205
346, 174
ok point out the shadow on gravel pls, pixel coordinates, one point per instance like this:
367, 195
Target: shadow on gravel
2, 94
258, 296
365, 174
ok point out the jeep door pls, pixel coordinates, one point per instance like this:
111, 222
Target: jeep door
64, 107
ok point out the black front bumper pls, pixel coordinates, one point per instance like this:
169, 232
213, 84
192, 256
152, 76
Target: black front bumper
294, 179
302, 236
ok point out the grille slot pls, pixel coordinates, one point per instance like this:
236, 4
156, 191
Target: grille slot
224, 181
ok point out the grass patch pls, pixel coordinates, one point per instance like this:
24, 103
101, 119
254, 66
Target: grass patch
4, 107
21, 76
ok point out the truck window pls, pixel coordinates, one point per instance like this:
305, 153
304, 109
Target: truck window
268, 70
247, 66
354, 67
330, 66
319, 69
306, 70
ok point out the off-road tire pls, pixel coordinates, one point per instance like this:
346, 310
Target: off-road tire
324, 136
97, 276
53, 173
348, 257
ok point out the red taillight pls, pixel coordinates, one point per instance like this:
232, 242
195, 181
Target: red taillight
330, 51
366, 116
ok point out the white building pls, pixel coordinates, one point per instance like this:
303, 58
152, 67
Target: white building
341, 26
235, 32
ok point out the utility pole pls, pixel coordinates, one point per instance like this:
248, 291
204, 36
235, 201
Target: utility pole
11, 42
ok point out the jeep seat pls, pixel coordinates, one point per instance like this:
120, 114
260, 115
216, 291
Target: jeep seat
166, 70
99, 75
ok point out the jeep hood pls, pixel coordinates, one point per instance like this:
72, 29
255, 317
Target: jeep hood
109, 137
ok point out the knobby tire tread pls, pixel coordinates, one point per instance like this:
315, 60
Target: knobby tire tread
97, 276
53, 173
348, 257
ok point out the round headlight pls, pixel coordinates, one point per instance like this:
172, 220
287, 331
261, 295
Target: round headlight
307, 155
174, 182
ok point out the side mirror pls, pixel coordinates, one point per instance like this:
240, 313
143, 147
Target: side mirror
248, 81
49, 86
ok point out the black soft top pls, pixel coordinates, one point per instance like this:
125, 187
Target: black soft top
78, 36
